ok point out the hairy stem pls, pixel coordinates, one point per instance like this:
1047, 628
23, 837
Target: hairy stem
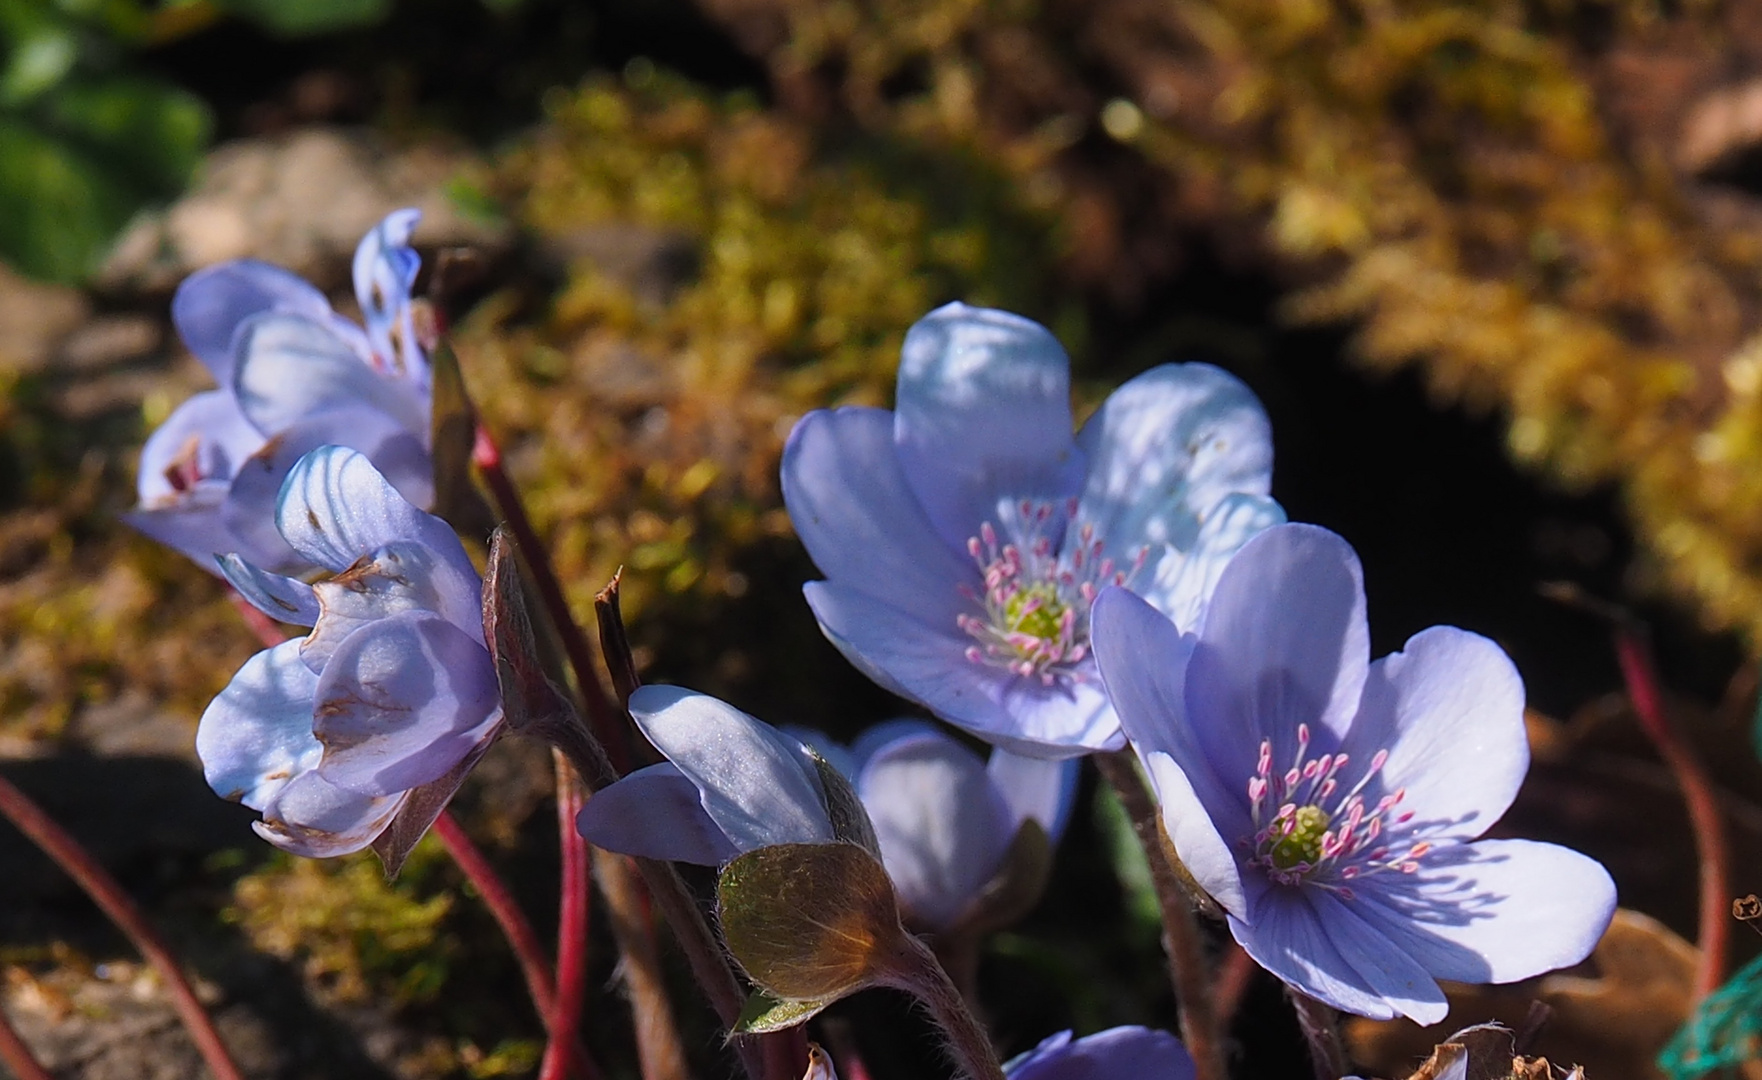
1321, 1029
922, 975
1635, 656
658, 1047
104, 890
1181, 936
17, 1056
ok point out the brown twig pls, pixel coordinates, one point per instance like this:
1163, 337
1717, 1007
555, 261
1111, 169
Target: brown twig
1634, 653
1186, 948
104, 890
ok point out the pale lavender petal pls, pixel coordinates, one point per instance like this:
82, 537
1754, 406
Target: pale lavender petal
385, 270
1290, 940
1284, 642
875, 736
928, 664
759, 786
1448, 709
850, 504
395, 453
194, 525
204, 439
1396, 976
983, 412
395, 579
316, 819
291, 367
1182, 581
335, 507
401, 701
1121, 1053
212, 302
1034, 788
1143, 660
655, 813
1165, 448
942, 825
1493, 911
257, 733
284, 599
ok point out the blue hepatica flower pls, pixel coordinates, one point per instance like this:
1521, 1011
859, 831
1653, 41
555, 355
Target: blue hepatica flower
393, 689
1331, 804
1140, 1053
964, 535
944, 817
293, 375
730, 784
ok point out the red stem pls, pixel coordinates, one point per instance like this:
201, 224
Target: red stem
572, 925
1234, 973
79, 864
1634, 654
607, 724
17, 1056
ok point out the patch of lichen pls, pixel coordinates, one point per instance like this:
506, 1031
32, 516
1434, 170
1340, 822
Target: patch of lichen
360, 937
740, 272
1446, 174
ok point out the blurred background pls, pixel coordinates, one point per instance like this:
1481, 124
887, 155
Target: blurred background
1495, 268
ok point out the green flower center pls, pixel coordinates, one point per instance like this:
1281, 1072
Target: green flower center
1037, 611
1302, 846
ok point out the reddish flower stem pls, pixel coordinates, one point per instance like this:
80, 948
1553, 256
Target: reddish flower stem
17, 1056
1234, 973
601, 713
572, 924
1634, 653
497, 897
104, 890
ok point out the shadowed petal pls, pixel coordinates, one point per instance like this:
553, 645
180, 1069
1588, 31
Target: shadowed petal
291, 367
1493, 911
257, 733
195, 526
335, 507
1182, 581
876, 736
983, 411
401, 701
212, 302
1165, 448
1115, 1054
1449, 710
385, 270
1035, 788
1284, 642
759, 786
1289, 940
204, 439
1143, 661
850, 504
1396, 976
1066, 719
394, 579
942, 825
316, 819
655, 813
281, 598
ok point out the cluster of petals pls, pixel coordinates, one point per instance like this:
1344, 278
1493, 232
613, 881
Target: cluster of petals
393, 688
964, 534
1330, 804
1117, 1052
944, 817
293, 375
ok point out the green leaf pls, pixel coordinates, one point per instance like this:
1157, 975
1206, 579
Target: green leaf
298, 18
810, 922
764, 1013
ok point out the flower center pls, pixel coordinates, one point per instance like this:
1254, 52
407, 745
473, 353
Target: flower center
1307, 831
1033, 615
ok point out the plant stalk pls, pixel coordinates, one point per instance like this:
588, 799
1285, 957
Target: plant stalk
1321, 1030
1181, 935
920, 974
572, 926
16, 1054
